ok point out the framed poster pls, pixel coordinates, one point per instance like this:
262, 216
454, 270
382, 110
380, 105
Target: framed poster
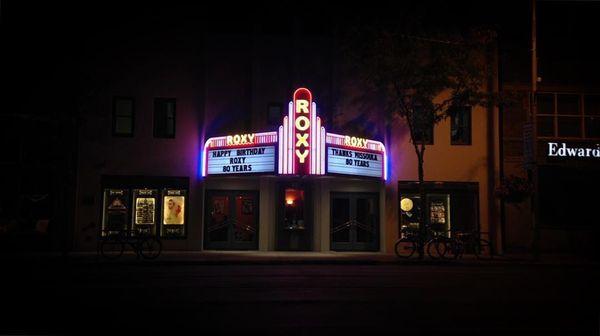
173, 213
115, 211
145, 211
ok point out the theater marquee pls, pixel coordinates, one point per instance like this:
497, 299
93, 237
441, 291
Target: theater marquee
301, 146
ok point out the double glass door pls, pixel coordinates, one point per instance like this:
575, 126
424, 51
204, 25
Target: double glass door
231, 220
355, 221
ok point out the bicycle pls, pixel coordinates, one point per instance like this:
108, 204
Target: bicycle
409, 241
144, 245
469, 241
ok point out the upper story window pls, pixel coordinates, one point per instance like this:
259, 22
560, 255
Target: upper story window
164, 117
123, 116
568, 115
460, 129
423, 127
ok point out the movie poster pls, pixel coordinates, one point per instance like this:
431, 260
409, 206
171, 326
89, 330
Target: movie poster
145, 210
116, 204
174, 210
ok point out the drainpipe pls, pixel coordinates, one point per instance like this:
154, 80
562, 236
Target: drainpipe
493, 137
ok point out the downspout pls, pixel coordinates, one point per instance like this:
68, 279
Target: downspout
493, 138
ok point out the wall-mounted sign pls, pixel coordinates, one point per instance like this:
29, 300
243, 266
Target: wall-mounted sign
301, 138
241, 160
298, 145
354, 162
572, 150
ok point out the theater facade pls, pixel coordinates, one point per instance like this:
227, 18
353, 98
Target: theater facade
300, 188
293, 187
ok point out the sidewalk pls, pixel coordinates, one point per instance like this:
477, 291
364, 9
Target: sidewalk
277, 257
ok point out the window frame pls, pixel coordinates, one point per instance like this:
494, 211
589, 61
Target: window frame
469, 142
582, 116
114, 117
155, 132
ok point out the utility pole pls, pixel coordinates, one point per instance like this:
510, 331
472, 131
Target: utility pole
533, 170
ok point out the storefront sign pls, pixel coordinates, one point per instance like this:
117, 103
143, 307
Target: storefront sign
568, 150
241, 160
354, 162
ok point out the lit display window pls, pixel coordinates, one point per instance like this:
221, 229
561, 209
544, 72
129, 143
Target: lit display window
115, 215
173, 213
145, 211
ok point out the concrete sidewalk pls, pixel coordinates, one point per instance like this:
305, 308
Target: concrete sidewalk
277, 257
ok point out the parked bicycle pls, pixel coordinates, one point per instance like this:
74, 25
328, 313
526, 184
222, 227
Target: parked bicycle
435, 243
113, 244
469, 242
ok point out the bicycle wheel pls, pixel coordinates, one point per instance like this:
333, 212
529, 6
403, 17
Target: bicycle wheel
454, 249
483, 249
405, 248
436, 248
150, 247
111, 248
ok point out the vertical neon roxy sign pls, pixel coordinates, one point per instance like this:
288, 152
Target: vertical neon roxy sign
302, 128
302, 138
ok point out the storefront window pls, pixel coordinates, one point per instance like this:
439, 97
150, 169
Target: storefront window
438, 212
410, 212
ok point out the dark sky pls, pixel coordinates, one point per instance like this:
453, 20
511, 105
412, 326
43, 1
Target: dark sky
45, 43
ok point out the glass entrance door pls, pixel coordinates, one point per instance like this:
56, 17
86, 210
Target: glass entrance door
354, 221
294, 217
231, 220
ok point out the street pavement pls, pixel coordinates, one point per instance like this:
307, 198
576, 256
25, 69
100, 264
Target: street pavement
306, 295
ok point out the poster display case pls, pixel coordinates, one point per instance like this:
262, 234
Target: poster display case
145, 212
115, 211
174, 206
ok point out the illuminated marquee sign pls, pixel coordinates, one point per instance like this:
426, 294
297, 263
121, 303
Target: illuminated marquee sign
354, 162
355, 156
302, 138
301, 146
240, 154
241, 160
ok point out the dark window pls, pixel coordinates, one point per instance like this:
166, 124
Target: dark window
568, 104
460, 131
545, 126
592, 105
592, 116
422, 127
274, 114
569, 127
164, 117
545, 103
592, 127
123, 116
